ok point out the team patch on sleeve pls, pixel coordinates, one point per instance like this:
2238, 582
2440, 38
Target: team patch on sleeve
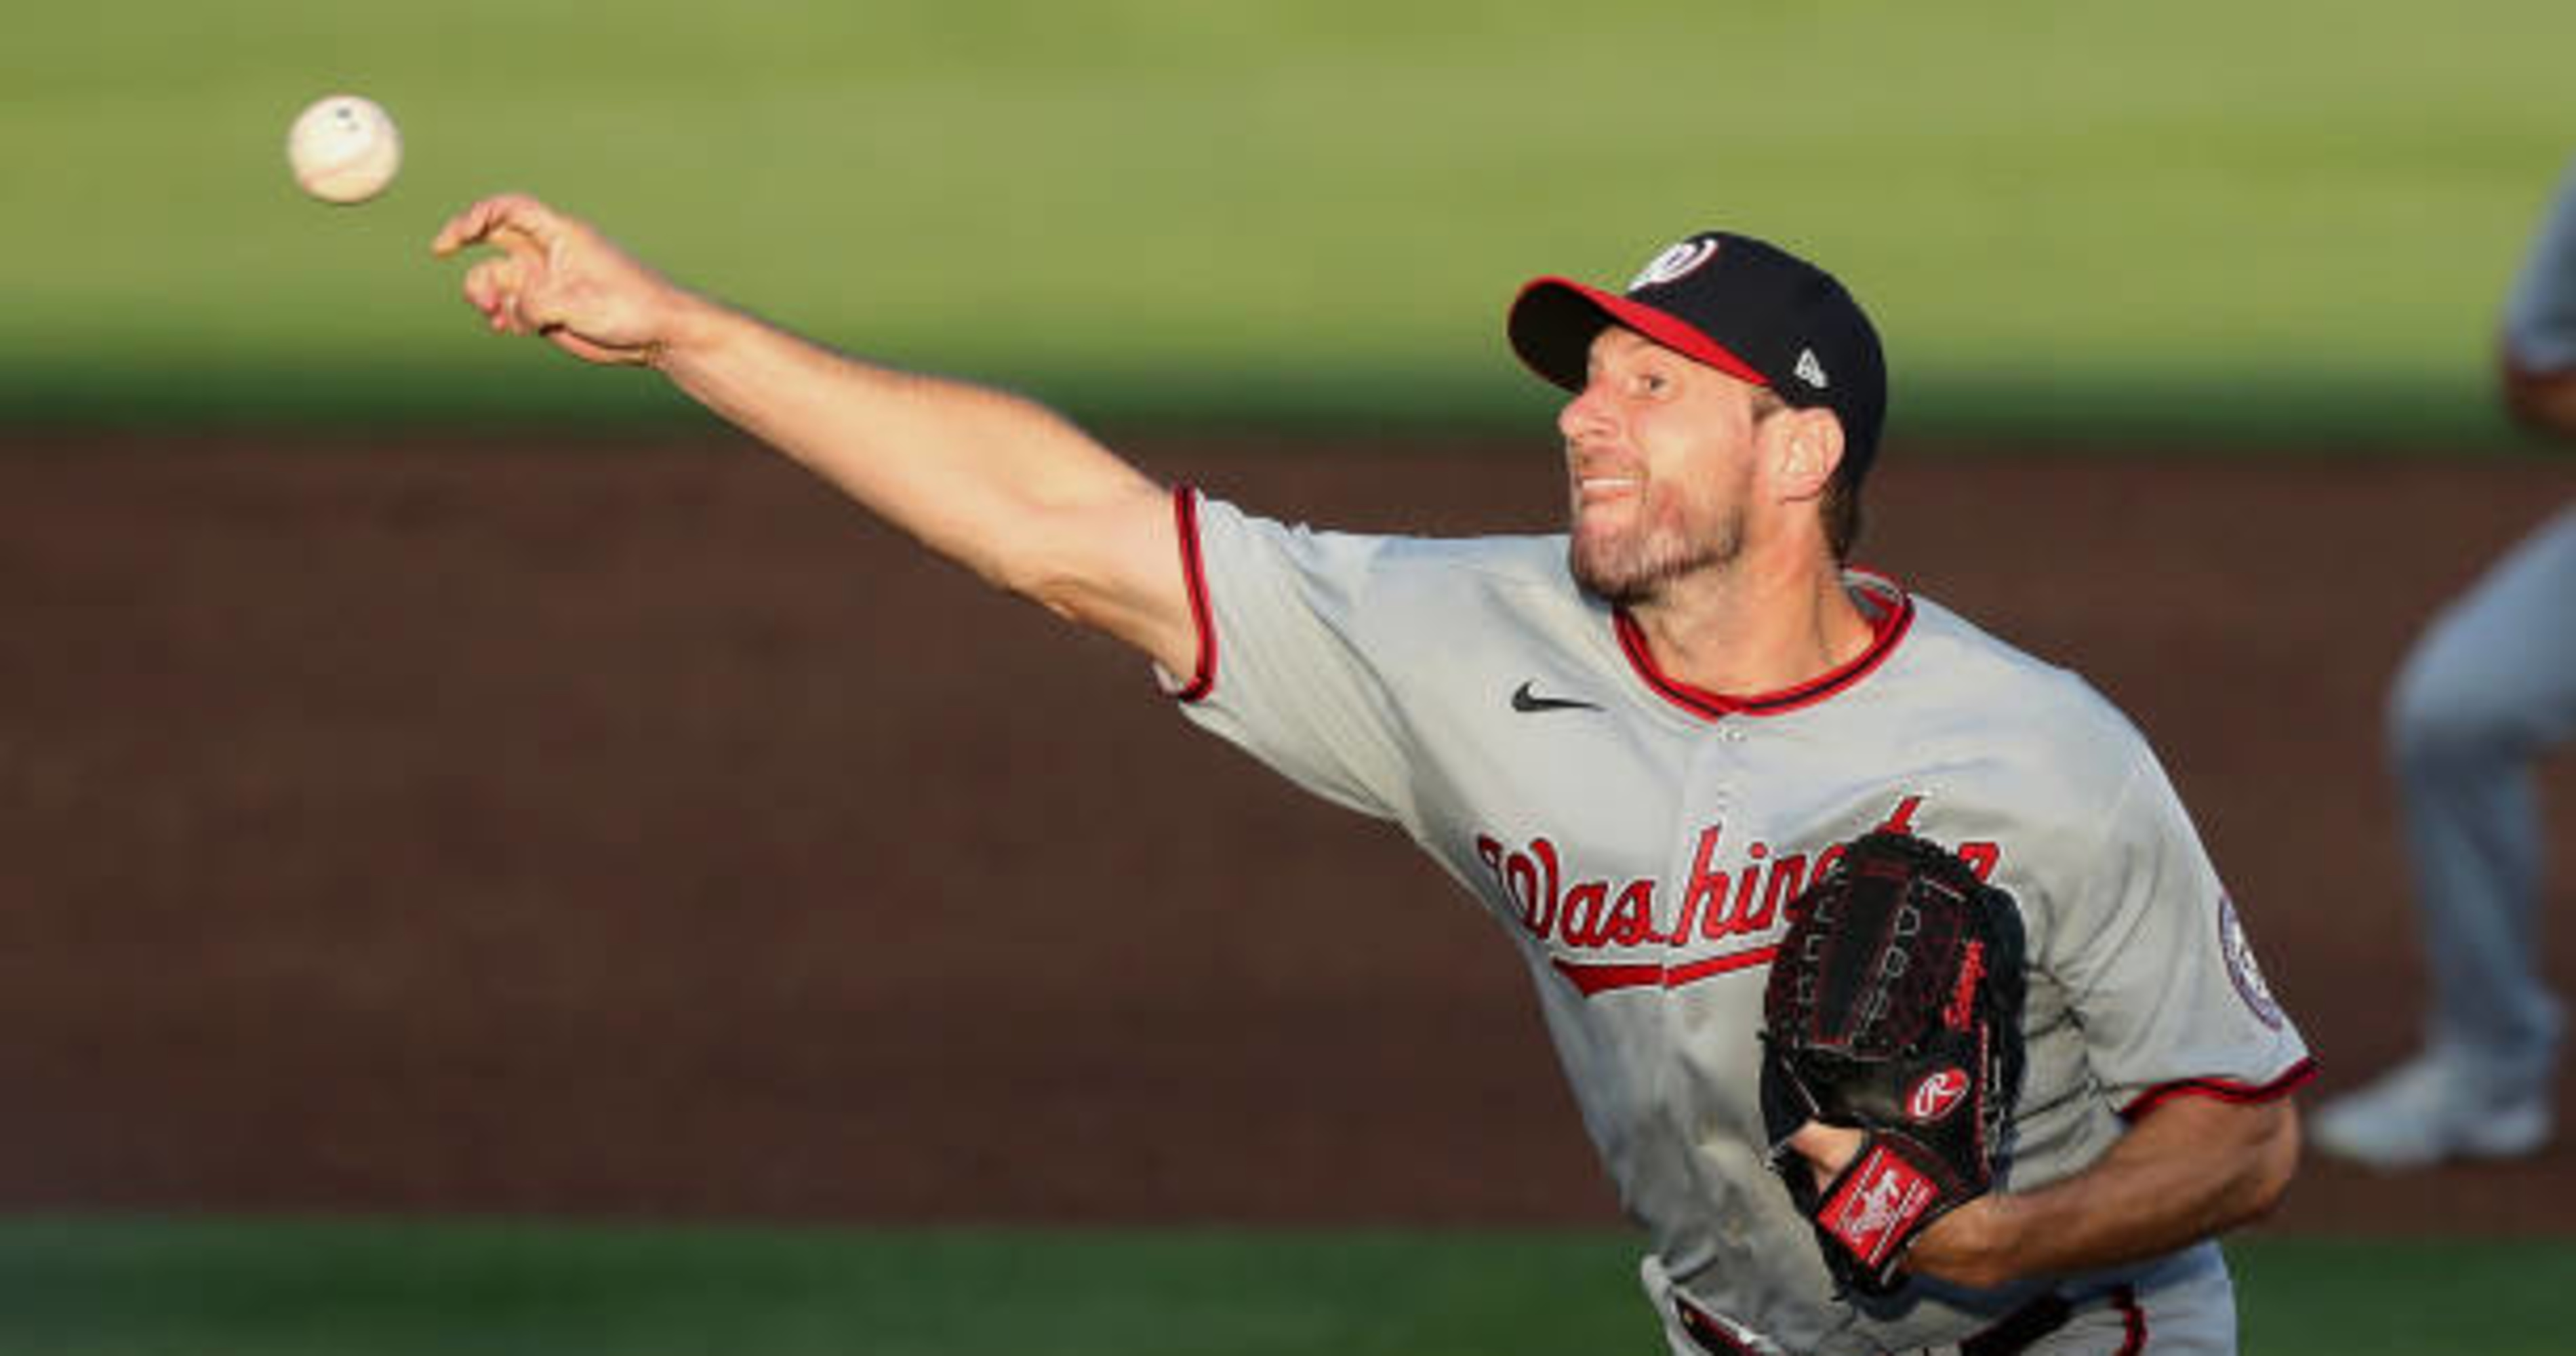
2241, 968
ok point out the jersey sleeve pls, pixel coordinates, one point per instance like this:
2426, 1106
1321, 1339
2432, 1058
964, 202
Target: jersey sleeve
2165, 984
1286, 669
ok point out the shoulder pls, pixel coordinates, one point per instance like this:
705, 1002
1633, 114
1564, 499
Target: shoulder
1988, 672
1387, 567
1966, 698
2034, 757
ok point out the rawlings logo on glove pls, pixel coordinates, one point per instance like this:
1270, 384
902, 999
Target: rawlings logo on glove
1894, 1009
1937, 1096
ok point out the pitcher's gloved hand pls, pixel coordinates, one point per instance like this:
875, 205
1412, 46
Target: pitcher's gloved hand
1894, 1009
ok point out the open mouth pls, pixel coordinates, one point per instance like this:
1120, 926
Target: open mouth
1602, 486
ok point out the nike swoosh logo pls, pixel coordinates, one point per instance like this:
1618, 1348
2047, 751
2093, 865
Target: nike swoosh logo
1525, 700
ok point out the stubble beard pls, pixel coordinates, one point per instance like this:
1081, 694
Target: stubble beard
1633, 567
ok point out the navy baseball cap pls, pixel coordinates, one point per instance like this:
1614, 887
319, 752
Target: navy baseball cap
1743, 306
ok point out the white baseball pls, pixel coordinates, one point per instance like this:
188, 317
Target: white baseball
344, 149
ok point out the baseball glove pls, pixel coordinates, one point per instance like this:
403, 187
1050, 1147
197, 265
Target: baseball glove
1894, 1008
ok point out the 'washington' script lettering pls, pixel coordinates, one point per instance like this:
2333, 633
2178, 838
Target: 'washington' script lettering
1727, 899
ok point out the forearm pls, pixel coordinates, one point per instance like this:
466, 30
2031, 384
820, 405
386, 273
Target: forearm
2190, 1169
945, 460
994, 481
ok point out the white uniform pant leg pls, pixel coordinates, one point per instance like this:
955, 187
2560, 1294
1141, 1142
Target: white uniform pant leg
2489, 686
2185, 1307
1660, 1293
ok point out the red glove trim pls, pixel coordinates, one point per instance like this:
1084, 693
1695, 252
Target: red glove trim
1877, 1204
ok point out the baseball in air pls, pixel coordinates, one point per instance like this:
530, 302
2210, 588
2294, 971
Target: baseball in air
344, 149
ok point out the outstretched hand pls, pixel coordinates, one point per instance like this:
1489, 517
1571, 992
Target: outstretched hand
559, 278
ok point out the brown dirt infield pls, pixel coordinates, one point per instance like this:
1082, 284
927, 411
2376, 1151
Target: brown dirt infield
641, 832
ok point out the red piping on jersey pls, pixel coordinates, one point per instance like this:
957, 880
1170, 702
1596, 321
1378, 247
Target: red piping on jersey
1889, 628
2225, 1090
1185, 517
2133, 1319
1592, 979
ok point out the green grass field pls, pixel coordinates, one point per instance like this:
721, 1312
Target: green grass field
213, 1288
2225, 220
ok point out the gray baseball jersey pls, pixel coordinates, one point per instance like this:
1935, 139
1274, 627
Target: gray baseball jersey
1637, 838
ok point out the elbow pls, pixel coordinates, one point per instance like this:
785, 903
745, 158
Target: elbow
1094, 560
1032, 565
1032, 579
1067, 596
2271, 1166
1027, 579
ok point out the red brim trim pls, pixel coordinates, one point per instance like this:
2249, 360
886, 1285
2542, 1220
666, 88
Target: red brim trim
1554, 320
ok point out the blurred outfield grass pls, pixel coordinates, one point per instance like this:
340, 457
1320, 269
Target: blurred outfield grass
2214, 220
309, 1288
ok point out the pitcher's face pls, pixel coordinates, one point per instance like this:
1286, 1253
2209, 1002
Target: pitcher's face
1660, 455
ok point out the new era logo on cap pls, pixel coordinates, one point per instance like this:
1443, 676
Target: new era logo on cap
1743, 306
1809, 370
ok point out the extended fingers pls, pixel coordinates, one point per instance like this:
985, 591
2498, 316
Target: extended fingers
524, 230
511, 220
468, 227
555, 276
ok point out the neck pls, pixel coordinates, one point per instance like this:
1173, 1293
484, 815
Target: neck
1747, 629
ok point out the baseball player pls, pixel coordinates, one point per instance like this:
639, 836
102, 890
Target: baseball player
1631, 744
2488, 688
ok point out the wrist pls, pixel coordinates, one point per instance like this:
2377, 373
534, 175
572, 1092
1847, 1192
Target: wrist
693, 330
682, 331
1971, 1246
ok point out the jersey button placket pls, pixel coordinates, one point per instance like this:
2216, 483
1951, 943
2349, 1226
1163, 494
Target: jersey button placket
1704, 836
1728, 823
1693, 1086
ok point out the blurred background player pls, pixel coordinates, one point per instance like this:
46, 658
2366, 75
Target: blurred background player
2489, 687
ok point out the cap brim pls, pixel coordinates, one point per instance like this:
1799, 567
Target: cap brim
1554, 321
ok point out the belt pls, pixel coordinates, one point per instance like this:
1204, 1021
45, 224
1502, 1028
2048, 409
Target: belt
2016, 1332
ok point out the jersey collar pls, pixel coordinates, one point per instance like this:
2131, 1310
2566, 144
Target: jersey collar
1891, 613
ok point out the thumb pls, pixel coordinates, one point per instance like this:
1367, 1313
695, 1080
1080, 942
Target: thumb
1831, 1148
